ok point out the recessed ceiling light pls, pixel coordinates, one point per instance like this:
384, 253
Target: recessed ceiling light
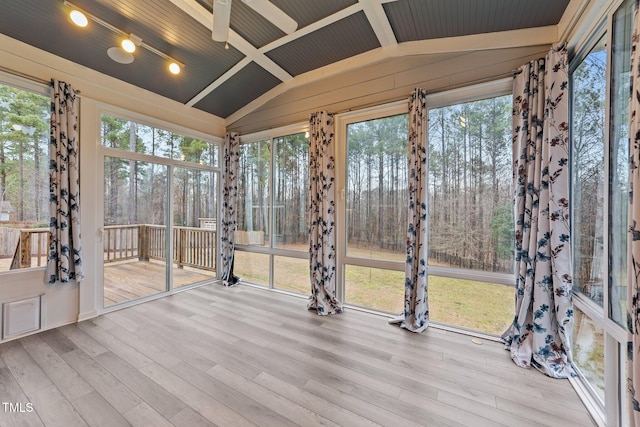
174, 68
78, 18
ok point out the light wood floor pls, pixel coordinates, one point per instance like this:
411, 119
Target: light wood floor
245, 356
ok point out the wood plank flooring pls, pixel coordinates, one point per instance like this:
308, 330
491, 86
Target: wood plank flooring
129, 280
249, 357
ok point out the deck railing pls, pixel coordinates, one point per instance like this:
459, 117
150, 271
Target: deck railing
192, 246
33, 242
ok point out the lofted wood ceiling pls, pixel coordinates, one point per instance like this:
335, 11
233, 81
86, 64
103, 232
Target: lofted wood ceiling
261, 60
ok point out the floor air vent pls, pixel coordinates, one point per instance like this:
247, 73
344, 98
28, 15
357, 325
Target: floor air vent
21, 316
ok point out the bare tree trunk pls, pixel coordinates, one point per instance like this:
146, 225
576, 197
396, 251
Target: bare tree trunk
20, 206
38, 181
380, 234
3, 174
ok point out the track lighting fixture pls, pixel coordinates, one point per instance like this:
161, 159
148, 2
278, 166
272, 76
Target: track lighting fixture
123, 53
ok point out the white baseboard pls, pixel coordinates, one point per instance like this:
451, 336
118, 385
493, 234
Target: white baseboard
87, 315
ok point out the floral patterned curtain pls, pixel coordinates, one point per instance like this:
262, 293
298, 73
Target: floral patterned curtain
541, 332
229, 215
416, 300
322, 214
633, 264
65, 249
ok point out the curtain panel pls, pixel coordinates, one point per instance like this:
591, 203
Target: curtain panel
229, 216
633, 264
541, 332
416, 301
65, 249
322, 215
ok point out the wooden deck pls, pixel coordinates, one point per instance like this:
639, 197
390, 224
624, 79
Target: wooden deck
129, 280
244, 356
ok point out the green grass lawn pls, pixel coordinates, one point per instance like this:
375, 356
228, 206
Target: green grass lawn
468, 304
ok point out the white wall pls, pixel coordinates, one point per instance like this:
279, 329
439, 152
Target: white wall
67, 303
380, 83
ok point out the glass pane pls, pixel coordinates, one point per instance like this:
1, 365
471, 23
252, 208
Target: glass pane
588, 351
131, 136
375, 288
470, 209
589, 94
484, 307
291, 187
619, 162
253, 194
134, 238
24, 179
291, 274
252, 267
195, 226
376, 193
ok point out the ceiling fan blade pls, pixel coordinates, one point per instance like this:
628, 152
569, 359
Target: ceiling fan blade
221, 17
272, 13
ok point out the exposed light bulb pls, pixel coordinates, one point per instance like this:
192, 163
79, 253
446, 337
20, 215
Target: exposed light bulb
128, 46
226, 45
78, 18
174, 68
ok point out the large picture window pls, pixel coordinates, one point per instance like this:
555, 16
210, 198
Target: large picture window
376, 194
254, 199
290, 188
24, 178
471, 218
470, 212
375, 211
272, 239
588, 146
471, 215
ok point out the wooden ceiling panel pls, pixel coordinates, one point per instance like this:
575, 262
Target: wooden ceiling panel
329, 32
422, 20
306, 12
326, 45
246, 85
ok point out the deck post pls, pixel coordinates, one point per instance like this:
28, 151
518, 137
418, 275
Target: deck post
143, 243
25, 249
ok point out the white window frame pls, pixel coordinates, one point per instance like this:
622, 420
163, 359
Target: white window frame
445, 98
39, 89
271, 251
613, 410
102, 152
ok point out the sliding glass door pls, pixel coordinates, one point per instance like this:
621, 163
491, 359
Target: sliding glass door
194, 226
160, 210
134, 238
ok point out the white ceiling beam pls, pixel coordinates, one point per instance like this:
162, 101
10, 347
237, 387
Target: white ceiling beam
205, 18
196, 11
485, 41
257, 56
378, 20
